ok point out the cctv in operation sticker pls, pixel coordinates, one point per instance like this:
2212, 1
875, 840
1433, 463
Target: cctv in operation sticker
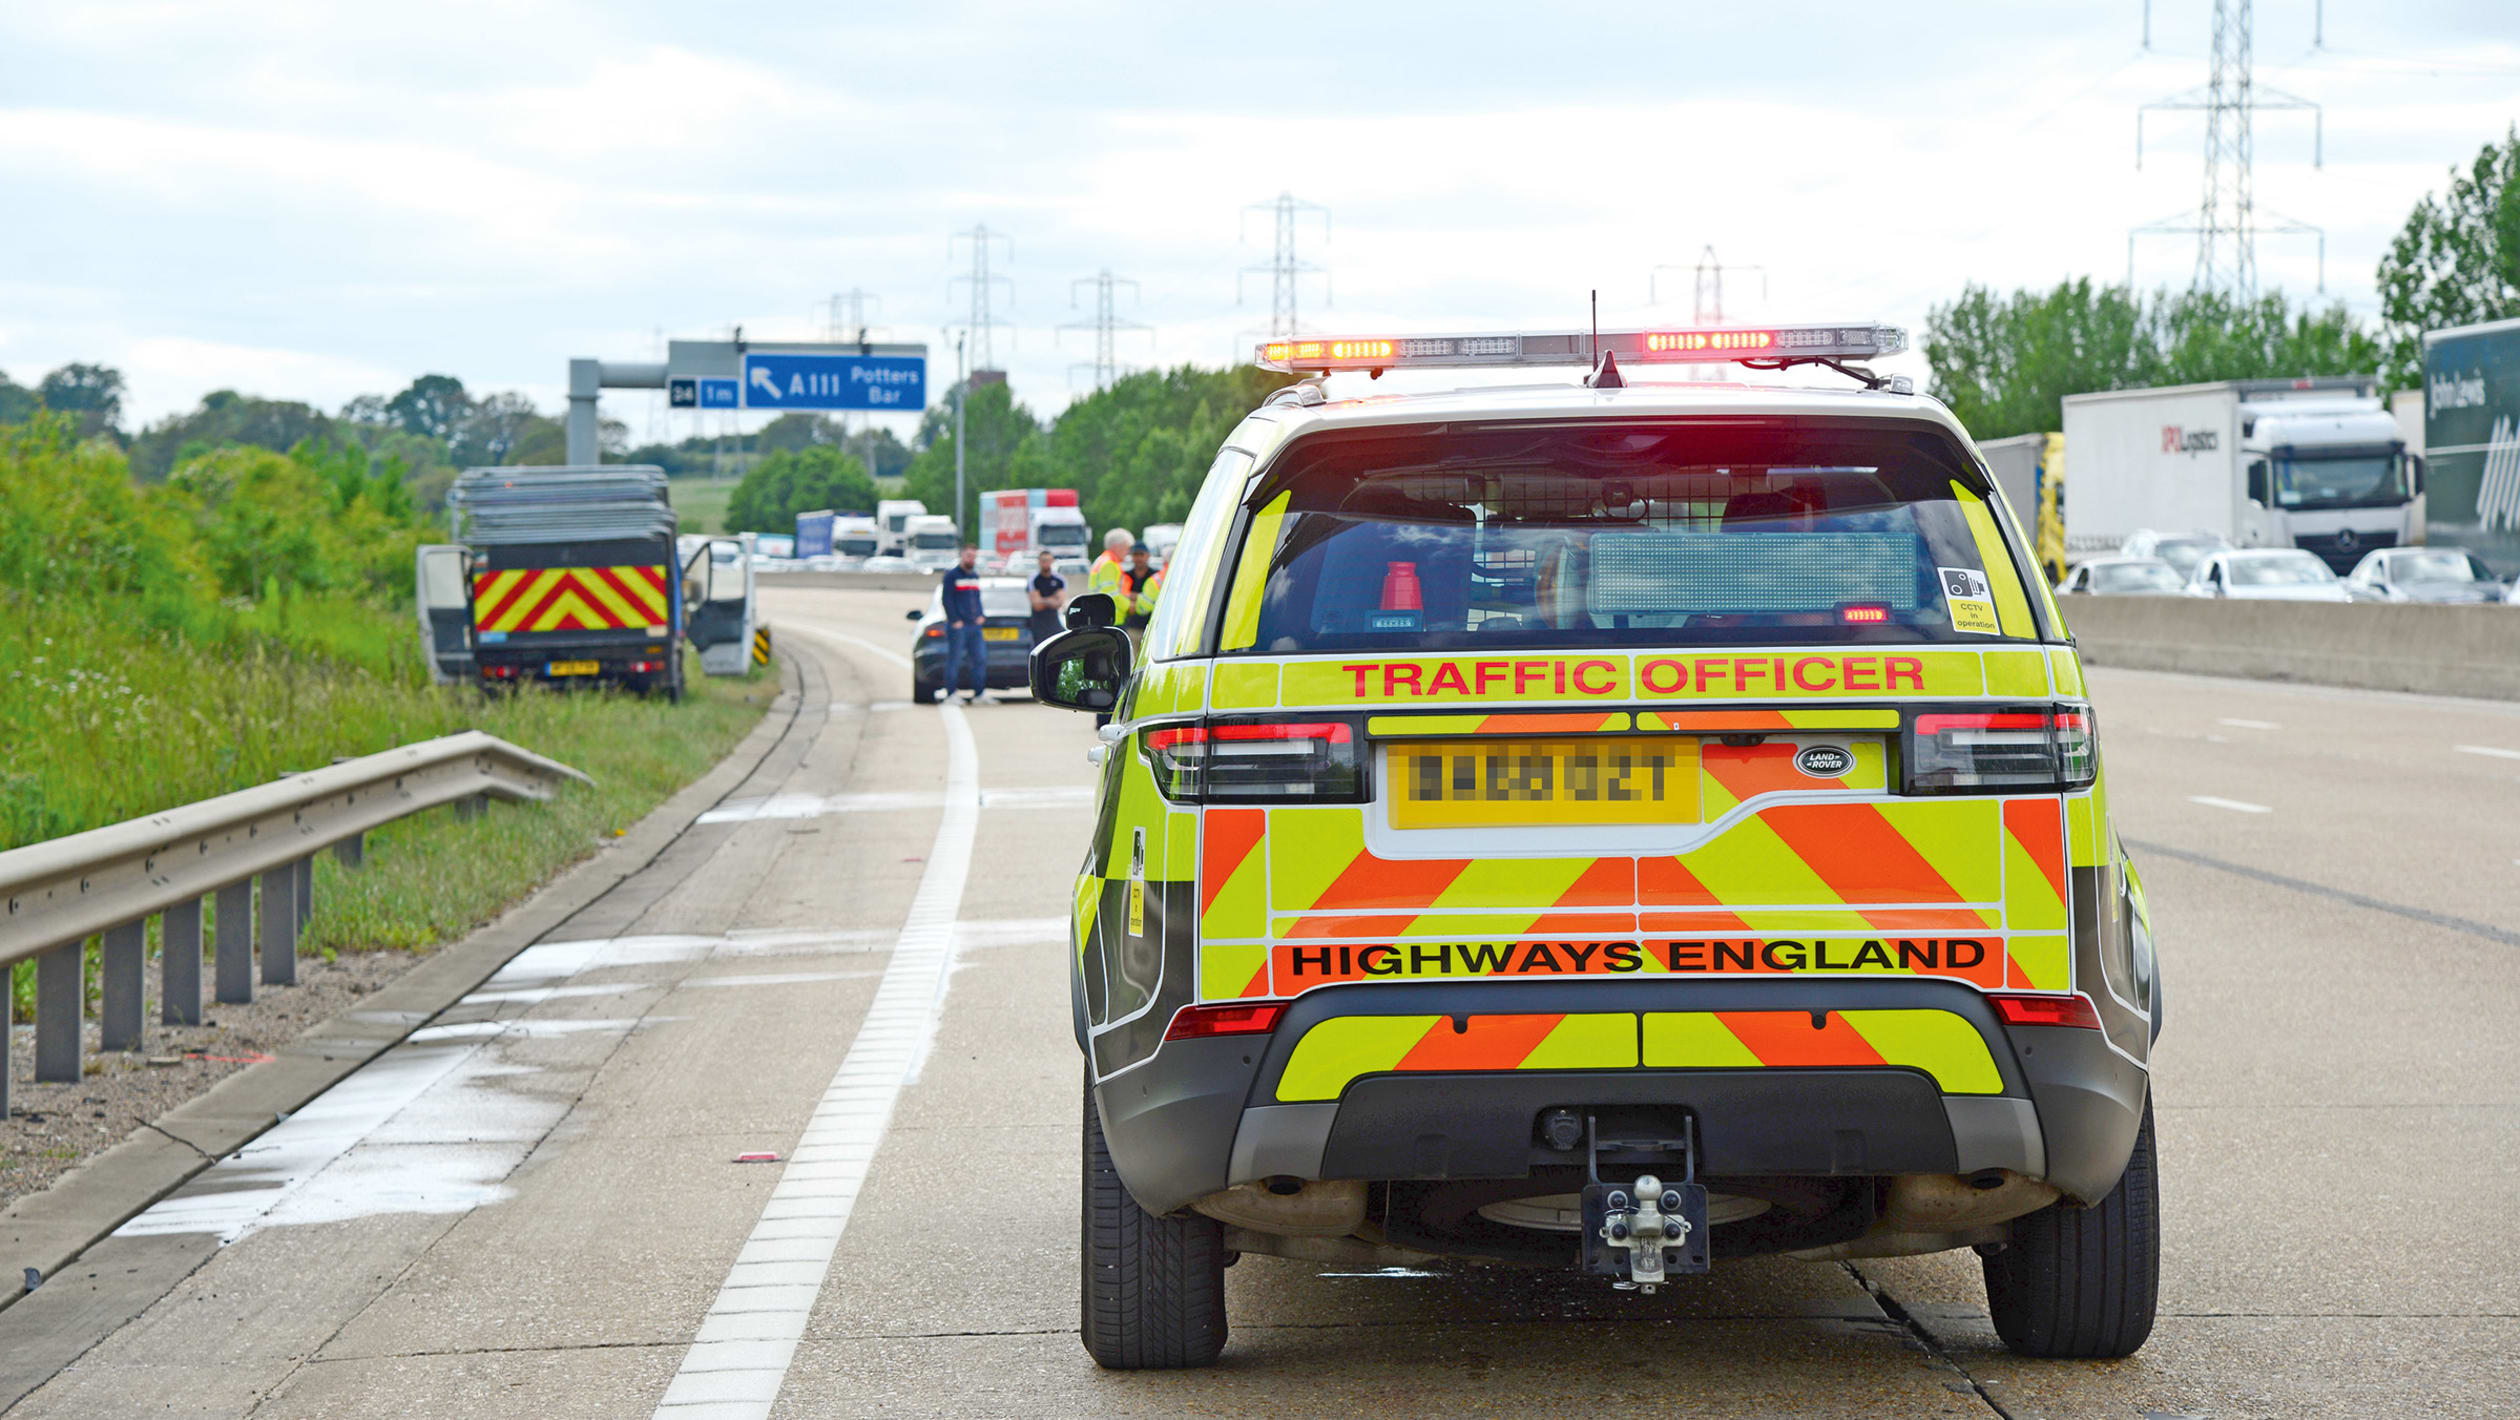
1970, 598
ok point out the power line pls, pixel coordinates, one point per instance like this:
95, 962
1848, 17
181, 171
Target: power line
2226, 221
1284, 268
844, 315
1106, 324
1708, 306
983, 356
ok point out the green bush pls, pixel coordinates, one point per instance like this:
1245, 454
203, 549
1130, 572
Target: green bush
251, 617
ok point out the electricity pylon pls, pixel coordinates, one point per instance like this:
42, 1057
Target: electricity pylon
2226, 221
1106, 324
1284, 268
982, 323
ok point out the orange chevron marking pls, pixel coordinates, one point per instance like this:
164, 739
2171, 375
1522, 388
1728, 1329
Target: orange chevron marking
1232, 834
1928, 919
1609, 882
1666, 882
1786, 1038
1859, 855
1489, 1043
1337, 926
1716, 721
1582, 724
1368, 881
1745, 770
2039, 827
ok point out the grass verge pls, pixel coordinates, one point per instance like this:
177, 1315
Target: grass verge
107, 720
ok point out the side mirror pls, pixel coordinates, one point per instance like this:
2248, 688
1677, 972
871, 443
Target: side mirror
1082, 669
912, 614
2258, 493
1091, 610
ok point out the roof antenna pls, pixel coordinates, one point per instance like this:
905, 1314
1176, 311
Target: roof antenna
1605, 372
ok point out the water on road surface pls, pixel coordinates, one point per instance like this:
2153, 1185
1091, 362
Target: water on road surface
858, 960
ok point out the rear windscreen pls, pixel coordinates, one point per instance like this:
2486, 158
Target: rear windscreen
1584, 535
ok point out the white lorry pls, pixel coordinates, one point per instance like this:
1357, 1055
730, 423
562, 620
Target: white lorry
2314, 463
853, 540
930, 542
892, 519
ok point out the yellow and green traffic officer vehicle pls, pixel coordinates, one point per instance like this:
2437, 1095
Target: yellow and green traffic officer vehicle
1609, 826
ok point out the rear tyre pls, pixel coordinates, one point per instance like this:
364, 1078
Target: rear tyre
922, 692
2083, 1282
1153, 1288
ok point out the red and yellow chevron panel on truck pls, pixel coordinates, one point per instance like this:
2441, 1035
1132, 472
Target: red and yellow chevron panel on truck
531, 599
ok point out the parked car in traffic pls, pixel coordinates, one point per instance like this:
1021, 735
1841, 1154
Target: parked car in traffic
1006, 627
2183, 551
2267, 574
2124, 577
2424, 574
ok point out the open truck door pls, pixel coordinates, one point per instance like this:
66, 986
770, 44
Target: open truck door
445, 606
718, 589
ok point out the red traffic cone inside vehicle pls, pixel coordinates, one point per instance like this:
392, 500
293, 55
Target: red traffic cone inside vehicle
1403, 603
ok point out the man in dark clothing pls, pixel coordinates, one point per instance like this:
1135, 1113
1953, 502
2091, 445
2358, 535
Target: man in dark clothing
1049, 598
963, 620
1144, 584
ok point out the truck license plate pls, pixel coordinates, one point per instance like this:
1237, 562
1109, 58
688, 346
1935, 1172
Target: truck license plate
1479, 783
574, 668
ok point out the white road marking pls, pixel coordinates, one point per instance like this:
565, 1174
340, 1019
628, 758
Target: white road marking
2489, 751
2235, 805
1052, 796
2249, 724
777, 978
795, 806
739, 1361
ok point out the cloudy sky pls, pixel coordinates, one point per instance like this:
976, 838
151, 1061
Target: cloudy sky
311, 201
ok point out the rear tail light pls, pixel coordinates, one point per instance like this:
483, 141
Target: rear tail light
1201, 1022
2042, 748
1316, 761
498, 672
2074, 1010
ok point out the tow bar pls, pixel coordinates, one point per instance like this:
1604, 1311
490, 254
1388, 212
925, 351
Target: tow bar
1646, 1229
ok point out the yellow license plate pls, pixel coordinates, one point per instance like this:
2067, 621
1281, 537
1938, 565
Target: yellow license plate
1476, 783
999, 633
575, 668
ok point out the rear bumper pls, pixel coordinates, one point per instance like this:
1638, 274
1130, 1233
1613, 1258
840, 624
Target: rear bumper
1201, 1115
1010, 664
614, 661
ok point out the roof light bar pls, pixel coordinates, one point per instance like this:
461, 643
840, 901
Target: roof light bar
1576, 347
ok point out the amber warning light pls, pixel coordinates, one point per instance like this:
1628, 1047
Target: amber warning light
1787, 344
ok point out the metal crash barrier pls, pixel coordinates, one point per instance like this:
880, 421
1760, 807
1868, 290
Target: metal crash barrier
255, 846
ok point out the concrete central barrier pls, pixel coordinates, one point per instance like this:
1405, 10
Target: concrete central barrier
851, 581
2433, 650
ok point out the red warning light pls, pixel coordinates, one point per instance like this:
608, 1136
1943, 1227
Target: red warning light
1863, 614
1679, 342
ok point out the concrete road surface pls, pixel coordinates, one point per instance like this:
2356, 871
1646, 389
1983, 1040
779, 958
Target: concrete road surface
536, 1206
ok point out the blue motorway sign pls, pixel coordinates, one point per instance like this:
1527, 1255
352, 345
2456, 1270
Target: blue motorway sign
882, 382
687, 392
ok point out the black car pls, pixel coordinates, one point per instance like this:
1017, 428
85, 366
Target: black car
1006, 627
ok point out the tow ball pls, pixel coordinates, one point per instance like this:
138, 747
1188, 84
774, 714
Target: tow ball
1641, 1232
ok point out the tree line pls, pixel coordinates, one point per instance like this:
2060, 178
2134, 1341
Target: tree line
2004, 363
1137, 450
